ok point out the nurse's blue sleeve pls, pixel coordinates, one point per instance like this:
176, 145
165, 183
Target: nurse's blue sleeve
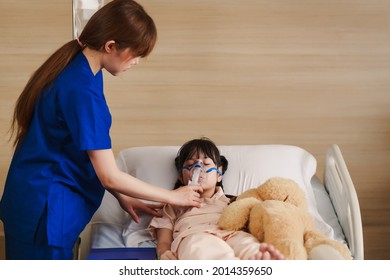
88, 118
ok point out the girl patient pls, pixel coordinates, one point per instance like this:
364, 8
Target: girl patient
184, 232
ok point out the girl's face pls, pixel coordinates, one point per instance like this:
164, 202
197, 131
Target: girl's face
207, 182
118, 61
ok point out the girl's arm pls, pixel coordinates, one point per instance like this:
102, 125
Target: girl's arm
114, 180
164, 241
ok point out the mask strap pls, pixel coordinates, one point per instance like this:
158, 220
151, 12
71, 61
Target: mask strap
189, 168
212, 169
185, 168
207, 171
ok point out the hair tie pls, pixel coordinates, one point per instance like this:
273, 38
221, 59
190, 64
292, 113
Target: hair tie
79, 42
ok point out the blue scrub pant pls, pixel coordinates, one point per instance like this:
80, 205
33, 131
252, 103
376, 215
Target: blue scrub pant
40, 250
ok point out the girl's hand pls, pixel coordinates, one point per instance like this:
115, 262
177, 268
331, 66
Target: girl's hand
187, 196
168, 255
130, 204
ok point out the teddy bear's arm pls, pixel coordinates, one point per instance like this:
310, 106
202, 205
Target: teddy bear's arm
256, 221
235, 216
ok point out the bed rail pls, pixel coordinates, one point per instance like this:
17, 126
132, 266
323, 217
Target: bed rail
343, 195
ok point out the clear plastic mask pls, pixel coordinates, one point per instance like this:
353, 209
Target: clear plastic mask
198, 173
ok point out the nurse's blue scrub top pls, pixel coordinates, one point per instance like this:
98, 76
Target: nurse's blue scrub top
51, 166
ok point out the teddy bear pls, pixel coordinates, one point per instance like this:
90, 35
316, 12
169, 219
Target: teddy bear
276, 213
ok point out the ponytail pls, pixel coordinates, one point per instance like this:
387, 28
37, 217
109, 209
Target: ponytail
41, 78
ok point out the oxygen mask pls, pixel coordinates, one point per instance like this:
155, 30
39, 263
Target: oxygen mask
198, 174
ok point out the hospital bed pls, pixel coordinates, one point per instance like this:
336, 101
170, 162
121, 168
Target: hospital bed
333, 201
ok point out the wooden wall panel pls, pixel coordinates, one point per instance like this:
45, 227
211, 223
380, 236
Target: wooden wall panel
307, 72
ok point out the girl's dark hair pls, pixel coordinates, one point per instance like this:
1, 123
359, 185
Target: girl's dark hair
195, 147
123, 21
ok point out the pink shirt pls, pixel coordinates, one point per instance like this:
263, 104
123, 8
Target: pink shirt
184, 221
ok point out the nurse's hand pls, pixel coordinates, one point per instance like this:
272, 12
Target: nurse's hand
130, 205
187, 196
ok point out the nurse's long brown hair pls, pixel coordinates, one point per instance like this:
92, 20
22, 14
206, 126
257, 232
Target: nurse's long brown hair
123, 21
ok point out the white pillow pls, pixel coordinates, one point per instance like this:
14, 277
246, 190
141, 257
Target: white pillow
249, 166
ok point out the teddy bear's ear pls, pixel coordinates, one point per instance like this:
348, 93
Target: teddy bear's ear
285, 190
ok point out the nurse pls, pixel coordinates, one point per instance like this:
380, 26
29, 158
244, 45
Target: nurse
63, 160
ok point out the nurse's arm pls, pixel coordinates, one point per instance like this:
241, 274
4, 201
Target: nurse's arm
130, 204
114, 180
